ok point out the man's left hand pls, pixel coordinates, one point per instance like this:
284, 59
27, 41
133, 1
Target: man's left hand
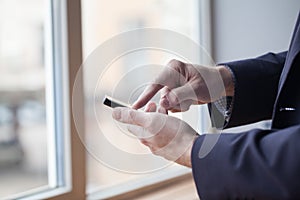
165, 135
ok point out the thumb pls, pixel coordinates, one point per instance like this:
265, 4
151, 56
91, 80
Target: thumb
131, 116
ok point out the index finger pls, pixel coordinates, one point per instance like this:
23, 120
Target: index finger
147, 94
168, 77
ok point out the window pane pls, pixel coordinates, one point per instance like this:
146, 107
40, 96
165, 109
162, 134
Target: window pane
23, 127
102, 20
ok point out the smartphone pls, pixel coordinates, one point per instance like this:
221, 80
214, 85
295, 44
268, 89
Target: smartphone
113, 103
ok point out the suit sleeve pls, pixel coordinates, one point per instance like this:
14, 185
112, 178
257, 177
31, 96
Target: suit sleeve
257, 164
256, 85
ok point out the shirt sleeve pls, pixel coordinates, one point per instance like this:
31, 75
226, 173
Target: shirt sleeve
224, 106
254, 80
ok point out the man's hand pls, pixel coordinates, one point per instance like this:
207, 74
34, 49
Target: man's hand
166, 136
183, 84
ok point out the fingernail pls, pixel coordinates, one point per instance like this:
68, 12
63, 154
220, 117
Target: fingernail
133, 106
116, 114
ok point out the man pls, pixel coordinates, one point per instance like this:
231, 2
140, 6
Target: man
256, 164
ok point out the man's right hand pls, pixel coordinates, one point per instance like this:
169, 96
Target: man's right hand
184, 84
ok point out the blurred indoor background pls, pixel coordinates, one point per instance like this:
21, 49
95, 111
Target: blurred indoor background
240, 29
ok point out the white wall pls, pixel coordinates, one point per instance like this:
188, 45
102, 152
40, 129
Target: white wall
243, 28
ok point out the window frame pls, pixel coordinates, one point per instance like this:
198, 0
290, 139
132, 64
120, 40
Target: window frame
66, 154
69, 41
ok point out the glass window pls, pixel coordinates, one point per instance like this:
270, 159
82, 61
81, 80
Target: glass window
23, 124
32, 151
100, 21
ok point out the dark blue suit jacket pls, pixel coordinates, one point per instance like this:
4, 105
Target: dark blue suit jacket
257, 164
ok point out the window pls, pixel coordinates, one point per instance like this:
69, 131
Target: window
41, 154
24, 127
36, 143
101, 21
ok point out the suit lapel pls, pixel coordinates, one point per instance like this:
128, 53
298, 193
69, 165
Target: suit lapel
292, 53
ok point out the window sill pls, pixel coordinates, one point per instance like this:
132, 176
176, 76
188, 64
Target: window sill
181, 187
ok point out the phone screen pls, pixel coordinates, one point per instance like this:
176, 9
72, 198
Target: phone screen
113, 103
